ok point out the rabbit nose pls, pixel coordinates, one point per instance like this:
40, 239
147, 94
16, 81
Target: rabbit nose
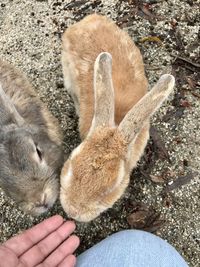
46, 206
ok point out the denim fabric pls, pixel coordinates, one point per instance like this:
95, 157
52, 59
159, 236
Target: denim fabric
131, 248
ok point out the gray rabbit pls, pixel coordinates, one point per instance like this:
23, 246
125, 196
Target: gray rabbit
30, 144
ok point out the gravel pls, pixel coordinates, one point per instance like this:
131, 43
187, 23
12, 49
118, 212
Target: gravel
30, 39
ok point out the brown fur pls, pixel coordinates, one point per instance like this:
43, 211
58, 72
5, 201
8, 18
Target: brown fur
109, 150
103, 152
99, 34
103, 35
97, 172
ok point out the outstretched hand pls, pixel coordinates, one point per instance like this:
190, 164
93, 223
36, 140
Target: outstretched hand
46, 244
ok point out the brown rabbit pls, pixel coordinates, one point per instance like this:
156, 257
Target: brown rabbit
30, 144
110, 94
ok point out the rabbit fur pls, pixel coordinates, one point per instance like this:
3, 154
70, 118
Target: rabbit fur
30, 144
104, 73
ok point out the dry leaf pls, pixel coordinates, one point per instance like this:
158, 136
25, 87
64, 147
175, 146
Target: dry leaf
180, 181
144, 218
184, 103
75, 4
138, 219
147, 12
174, 23
167, 200
191, 82
156, 225
157, 179
151, 39
159, 143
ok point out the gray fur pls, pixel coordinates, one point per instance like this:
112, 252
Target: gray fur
27, 127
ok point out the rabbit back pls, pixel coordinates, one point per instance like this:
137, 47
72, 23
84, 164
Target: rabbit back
82, 43
29, 106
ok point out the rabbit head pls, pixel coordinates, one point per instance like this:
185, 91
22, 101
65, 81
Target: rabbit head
96, 174
29, 160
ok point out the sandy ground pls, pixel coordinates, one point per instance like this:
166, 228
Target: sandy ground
30, 38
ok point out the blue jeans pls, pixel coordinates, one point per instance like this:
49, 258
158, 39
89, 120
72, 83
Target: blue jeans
131, 248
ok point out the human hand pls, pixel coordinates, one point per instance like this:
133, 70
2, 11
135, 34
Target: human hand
45, 245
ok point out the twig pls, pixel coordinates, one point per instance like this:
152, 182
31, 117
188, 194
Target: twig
152, 67
75, 4
188, 61
195, 94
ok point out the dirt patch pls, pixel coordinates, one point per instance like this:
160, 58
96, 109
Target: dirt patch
167, 33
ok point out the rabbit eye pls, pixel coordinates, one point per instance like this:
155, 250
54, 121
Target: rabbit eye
39, 152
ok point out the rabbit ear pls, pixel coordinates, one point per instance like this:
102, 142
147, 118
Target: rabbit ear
136, 118
103, 92
10, 108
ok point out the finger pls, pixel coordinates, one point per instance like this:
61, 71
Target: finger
39, 252
21, 243
7, 257
70, 261
64, 250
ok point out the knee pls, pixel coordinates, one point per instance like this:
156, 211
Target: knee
134, 235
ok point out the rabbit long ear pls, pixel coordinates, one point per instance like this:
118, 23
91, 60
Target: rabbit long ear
136, 118
103, 92
10, 108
